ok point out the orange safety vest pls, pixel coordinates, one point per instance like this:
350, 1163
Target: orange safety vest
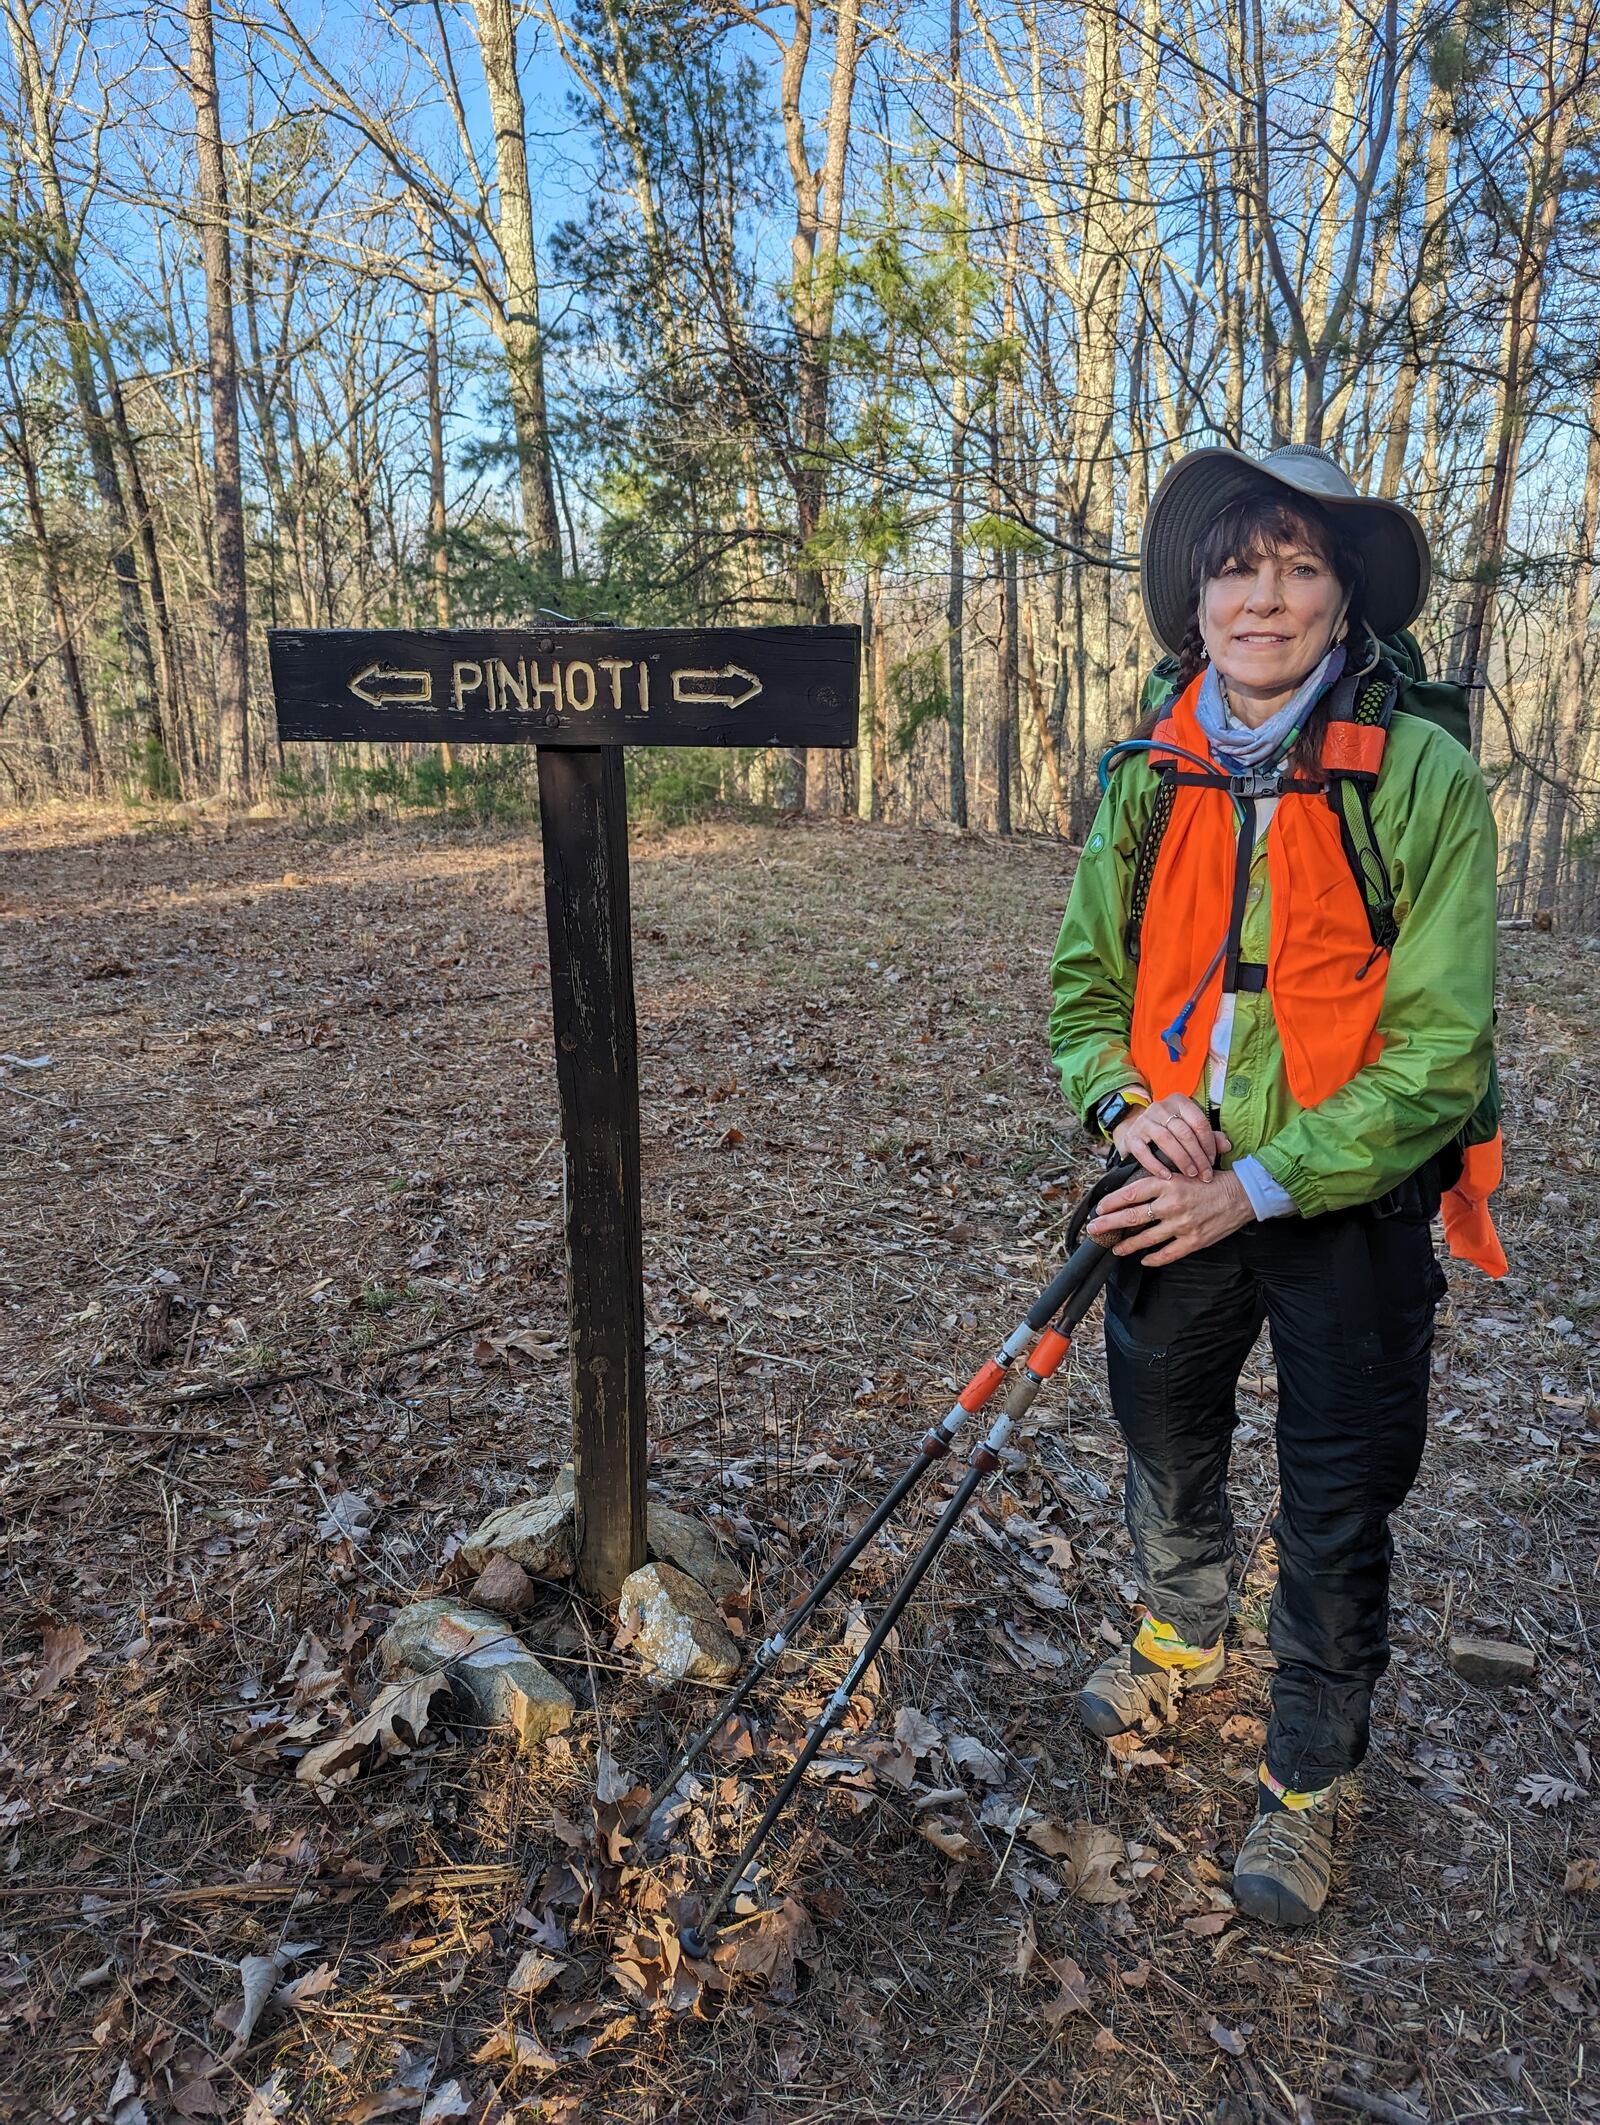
1324, 976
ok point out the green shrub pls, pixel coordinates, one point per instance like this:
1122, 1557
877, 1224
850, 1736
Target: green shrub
671, 785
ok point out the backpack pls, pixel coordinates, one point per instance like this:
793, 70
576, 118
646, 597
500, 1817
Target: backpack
1398, 684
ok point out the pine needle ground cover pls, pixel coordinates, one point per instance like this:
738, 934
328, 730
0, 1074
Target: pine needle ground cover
283, 1318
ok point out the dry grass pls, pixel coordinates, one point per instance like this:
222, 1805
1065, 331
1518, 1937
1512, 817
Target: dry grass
298, 1118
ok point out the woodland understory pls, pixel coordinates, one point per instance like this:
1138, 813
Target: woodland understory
702, 312
283, 1314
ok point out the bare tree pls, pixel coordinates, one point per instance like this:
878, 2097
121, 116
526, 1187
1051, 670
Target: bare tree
227, 479
58, 244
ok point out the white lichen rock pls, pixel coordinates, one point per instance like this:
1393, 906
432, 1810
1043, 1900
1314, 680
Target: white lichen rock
675, 1628
494, 1678
540, 1534
687, 1543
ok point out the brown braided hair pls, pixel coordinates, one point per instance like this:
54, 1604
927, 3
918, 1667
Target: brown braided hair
1262, 521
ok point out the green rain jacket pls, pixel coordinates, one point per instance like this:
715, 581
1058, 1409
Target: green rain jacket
1435, 829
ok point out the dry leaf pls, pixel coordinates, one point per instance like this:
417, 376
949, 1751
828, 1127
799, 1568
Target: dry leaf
197, 2097
1207, 1923
1228, 2040
970, 1755
1582, 1877
947, 1837
445, 2102
892, 1761
790, 2057
769, 1945
397, 1721
310, 1987
611, 1782
63, 1650
347, 1519
520, 2046
1073, 1997
123, 2105
257, 1976
1132, 1748
267, 2103
391, 2102
1088, 1862
1542, 1790
1245, 1729
533, 1972
1035, 1647
1027, 1947
1048, 1837
916, 1732
1044, 1592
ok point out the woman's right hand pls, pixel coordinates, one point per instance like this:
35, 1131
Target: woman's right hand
1171, 1135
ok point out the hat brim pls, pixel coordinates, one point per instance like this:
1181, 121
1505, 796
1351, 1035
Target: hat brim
1392, 543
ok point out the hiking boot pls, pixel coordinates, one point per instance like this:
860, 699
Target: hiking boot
1130, 1687
1282, 1871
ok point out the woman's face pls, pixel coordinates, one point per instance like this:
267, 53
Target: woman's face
1267, 622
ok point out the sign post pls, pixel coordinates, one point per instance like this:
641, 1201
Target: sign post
580, 694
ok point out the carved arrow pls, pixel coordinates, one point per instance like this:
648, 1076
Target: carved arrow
707, 686
382, 686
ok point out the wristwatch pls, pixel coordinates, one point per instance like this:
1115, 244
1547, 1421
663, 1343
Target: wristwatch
1116, 1107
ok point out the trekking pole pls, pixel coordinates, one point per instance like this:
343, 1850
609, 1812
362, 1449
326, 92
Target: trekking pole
983, 1462
936, 1444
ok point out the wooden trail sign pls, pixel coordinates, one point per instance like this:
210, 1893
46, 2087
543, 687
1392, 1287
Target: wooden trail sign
570, 686
579, 695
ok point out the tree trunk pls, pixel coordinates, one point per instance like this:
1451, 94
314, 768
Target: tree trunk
1572, 717
89, 760
1003, 464
438, 554
1427, 291
518, 326
956, 597
1044, 737
814, 251
33, 707
232, 652
61, 250
155, 575
1541, 204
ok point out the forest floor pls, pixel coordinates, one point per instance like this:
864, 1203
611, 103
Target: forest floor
282, 1310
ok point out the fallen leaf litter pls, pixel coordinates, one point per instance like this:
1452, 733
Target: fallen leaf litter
341, 1267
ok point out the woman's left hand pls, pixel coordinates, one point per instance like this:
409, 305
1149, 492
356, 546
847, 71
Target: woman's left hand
1163, 1220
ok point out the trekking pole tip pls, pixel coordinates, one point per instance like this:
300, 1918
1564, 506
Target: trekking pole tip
695, 1944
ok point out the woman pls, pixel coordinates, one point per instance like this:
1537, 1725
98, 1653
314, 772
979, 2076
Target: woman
1292, 1075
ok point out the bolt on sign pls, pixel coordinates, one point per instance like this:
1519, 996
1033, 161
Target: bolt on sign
579, 695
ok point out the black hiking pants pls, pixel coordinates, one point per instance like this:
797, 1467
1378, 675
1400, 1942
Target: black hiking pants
1349, 1302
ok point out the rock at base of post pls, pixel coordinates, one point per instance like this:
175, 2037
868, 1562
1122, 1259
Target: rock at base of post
1488, 1660
675, 1628
496, 1681
503, 1586
682, 1540
540, 1534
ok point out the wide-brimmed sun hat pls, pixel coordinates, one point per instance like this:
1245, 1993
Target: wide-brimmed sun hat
1391, 542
